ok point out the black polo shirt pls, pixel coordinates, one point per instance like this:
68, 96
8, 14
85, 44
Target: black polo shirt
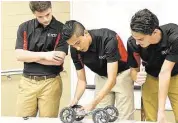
34, 37
105, 48
155, 54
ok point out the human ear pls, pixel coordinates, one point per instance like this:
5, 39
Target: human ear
85, 32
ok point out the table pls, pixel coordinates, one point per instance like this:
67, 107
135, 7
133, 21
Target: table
51, 120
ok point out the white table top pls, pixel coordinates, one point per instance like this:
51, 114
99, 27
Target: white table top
51, 120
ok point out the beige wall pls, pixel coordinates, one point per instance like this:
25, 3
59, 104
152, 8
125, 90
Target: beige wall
13, 14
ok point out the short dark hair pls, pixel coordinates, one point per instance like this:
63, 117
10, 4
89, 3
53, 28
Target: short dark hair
39, 6
72, 27
144, 21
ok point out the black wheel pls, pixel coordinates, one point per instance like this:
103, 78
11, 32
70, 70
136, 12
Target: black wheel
100, 116
76, 108
112, 112
67, 115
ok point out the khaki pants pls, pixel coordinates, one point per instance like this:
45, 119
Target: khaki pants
150, 97
122, 95
41, 95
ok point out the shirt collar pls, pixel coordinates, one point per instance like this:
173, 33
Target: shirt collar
52, 23
164, 38
37, 24
92, 46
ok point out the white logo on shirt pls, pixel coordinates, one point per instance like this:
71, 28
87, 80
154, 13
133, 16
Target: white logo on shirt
102, 57
164, 52
51, 35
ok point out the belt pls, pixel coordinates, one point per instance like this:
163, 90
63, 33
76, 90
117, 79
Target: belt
38, 78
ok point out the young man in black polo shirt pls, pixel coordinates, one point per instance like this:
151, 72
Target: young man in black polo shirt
41, 85
157, 46
103, 52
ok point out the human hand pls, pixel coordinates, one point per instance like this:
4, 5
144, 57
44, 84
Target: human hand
161, 118
73, 102
141, 76
53, 56
88, 107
